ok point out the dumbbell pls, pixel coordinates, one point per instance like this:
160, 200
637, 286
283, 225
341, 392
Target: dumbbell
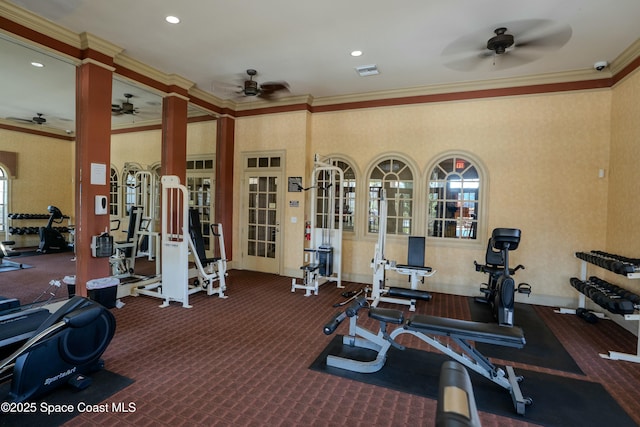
586, 315
617, 263
623, 293
608, 300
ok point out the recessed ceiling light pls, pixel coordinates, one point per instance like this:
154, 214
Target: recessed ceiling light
356, 53
172, 19
37, 64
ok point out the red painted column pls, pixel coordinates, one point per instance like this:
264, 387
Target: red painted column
225, 144
93, 162
174, 137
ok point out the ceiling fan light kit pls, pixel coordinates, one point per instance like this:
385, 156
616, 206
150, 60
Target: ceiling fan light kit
126, 107
251, 86
266, 90
500, 42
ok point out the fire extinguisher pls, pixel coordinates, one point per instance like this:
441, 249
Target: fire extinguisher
307, 230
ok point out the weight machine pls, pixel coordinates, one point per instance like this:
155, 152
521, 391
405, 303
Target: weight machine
148, 200
176, 242
208, 271
326, 222
141, 238
415, 268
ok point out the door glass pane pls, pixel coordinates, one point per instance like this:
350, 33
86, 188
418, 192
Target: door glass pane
262, 217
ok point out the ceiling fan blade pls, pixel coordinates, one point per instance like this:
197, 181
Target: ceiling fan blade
543, 33
514, 58
20, 119
466, 44
469, 63
268, 89
552, 40
274, 86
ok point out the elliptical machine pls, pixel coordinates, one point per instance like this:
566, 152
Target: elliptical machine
62, 347
51, 240
499, 291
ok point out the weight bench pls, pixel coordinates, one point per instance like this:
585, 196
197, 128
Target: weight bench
427, 328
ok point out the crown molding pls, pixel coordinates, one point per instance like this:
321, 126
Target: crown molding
41, 130
93, 42
504, 83
179, 81
208, 102
257, 103
629, 55
36, 23
136, 66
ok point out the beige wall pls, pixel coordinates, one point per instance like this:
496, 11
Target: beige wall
145, 148
288, 132
45, 176
542, 155
623, 220
46, 167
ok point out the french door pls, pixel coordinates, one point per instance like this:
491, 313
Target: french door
261, 212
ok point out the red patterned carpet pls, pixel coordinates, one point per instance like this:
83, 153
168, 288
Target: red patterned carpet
244, 360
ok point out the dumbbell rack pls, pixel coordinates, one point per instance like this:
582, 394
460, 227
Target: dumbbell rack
625, 269
26, 236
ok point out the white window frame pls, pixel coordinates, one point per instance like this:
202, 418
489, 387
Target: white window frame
462, 227
401, 195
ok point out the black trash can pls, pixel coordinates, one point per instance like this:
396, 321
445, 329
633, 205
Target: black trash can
70, 281
103, 291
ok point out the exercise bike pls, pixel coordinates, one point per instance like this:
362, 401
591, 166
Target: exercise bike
499, 291
51, 240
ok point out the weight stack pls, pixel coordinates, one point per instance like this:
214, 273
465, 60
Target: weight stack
325, 259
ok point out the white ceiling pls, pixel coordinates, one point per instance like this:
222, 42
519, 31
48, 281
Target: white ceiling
414, 43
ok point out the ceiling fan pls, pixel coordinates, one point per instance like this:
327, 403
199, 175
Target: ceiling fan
37, 119
265, 90
512, 44
125, 108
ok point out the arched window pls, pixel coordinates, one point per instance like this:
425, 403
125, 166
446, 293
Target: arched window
396, 177
113, 193
131, 187
3, 200
348, 188
454, 202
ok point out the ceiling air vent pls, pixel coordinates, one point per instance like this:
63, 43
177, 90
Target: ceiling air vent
368, 70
